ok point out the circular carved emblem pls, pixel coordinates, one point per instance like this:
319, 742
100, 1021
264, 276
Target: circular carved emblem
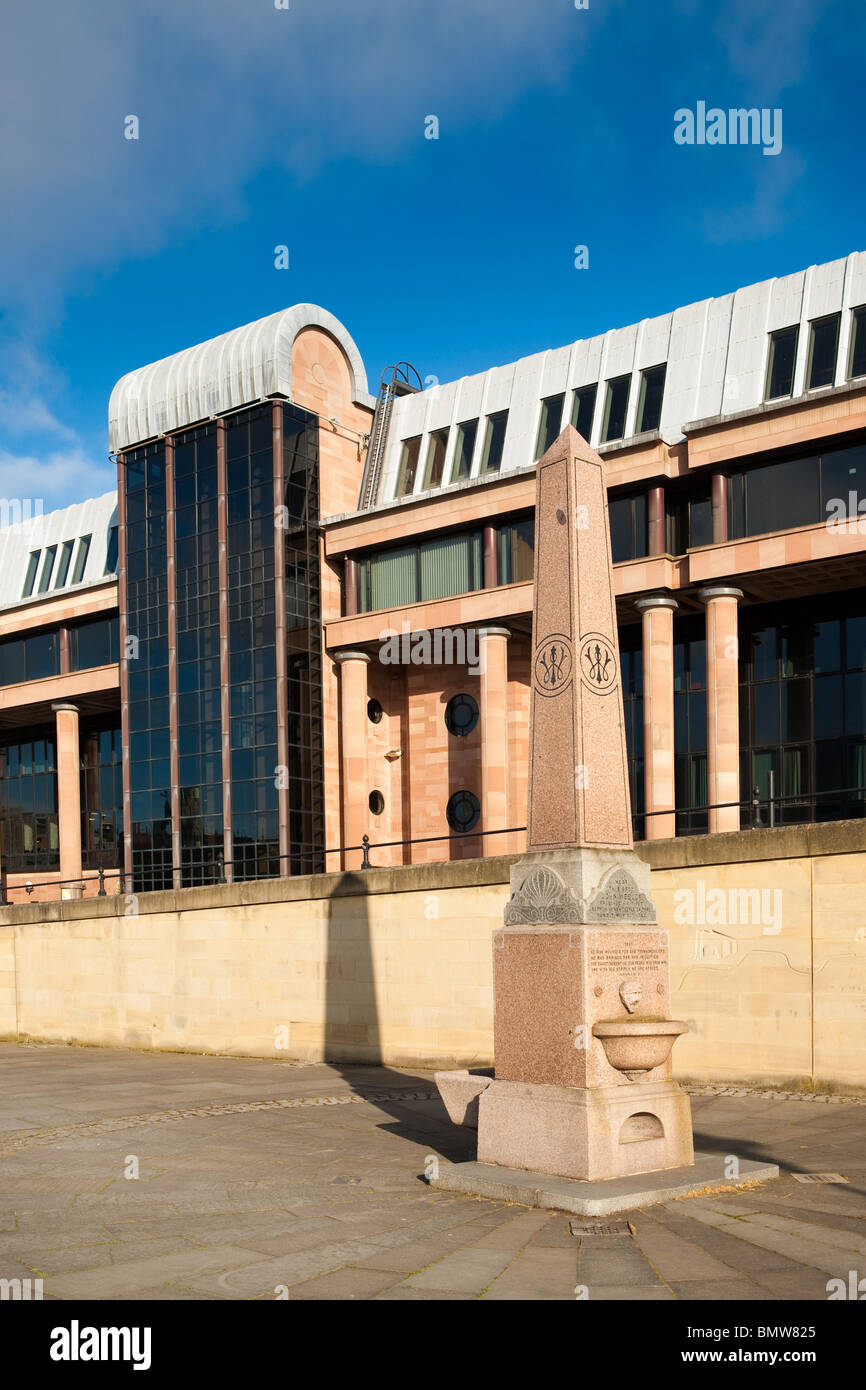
598, 663
553, 665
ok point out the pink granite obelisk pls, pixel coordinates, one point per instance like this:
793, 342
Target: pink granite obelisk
582, 1026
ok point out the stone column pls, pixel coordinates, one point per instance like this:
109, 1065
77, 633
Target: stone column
723, 721
351, 586
491, 558
656, 537
719, 496
493, 704
353, 736
657, 612
69, 797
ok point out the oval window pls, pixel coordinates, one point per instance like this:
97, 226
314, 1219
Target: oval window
463, 811
461, 715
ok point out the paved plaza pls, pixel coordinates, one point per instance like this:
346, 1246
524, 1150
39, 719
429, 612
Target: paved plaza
260, 1179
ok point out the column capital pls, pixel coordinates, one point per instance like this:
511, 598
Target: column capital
494, 631
63, 705
719, 591
655, 601
352, 655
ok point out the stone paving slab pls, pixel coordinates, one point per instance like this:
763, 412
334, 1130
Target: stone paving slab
599, 1198
256, 1176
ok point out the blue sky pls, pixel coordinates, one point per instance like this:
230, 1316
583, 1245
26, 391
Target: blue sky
306, 127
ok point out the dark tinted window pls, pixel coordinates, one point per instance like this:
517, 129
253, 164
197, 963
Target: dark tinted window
652, 392
583, 409
782, 495
628, 527
780, 369
858, 343
822, 351
47, 568
111, 558
80, 560
28, 803
494, 441
517, 551
549, 423
701, 520
408, 466
437, 448
29, 658
62, 569
843, 480
464, 449
615, 409
93, 644
30, 577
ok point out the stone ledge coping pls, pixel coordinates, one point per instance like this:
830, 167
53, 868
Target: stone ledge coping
747, 846
408, 878
735, 847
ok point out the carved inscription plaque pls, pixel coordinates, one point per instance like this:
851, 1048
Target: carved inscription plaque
626, 961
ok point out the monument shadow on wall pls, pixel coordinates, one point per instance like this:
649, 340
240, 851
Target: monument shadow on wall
353, 1045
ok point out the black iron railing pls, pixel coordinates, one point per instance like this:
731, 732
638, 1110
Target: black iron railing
762, 814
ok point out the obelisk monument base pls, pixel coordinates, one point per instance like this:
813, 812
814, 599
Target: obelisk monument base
582, 1027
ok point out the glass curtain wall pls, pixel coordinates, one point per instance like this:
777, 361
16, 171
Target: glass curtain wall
631, 662
28, 802
803, 710
691, 789
146, 661
197, 603
101, 794
305, 714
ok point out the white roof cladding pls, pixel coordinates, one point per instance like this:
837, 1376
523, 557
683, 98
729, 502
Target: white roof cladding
716, 354
33, 532
222, 374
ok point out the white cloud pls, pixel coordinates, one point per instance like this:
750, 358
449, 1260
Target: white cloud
60, 477
767, 43
769, 208
223, 88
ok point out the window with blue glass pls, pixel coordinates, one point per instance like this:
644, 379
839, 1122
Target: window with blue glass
28, 802
803, 710
200, 778
94, 643
143, 477
631, 664
101, 793
31, 658
691, 790
252, 644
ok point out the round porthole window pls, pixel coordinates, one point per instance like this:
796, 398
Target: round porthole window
461, 715
374, 711
463, 811
377, 803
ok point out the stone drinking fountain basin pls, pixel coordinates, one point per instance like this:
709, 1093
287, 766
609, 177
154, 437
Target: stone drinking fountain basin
636, 1046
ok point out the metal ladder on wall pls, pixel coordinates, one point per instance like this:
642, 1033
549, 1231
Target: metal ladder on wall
396, 381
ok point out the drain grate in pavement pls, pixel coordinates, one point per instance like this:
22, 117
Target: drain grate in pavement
600, 1228
819, 1177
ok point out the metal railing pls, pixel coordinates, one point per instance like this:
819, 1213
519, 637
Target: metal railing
760, 806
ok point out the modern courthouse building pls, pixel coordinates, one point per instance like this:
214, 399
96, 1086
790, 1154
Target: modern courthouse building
198, 677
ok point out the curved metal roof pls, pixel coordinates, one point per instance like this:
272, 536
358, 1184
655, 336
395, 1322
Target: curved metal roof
55, 539
222, 374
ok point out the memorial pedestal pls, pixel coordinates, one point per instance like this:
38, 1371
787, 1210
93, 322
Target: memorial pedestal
582, 1091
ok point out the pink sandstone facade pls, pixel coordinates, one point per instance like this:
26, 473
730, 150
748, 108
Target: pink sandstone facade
407, 754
